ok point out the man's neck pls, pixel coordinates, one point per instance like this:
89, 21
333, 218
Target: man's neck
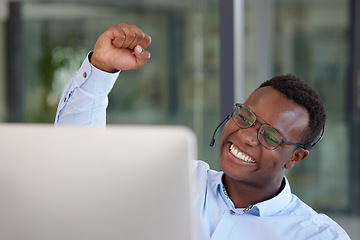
244, 195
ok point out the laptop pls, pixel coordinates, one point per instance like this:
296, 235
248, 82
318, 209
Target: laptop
122, 182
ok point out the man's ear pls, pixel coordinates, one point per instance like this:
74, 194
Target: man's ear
298, 155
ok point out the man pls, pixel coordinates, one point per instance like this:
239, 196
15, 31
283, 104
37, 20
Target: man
272, 131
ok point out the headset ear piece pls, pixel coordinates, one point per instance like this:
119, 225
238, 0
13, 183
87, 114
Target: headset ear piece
309, 146
212, 142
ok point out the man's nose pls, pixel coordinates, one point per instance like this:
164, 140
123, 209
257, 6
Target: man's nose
249, 135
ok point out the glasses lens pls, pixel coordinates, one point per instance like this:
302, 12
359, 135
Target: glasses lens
269, 137
243, 116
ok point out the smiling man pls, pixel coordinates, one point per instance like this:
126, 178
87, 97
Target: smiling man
255, 149
272, 131
251, 198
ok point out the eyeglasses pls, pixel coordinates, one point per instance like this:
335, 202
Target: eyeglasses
268, 136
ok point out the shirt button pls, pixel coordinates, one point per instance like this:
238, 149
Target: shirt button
232, 212
84, 74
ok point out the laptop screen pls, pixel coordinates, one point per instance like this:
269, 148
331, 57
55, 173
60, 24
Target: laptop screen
123, 182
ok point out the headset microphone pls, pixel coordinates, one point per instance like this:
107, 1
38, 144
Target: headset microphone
213, 136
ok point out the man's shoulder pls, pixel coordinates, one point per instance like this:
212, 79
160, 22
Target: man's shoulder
202, 169
314, 221
206, 178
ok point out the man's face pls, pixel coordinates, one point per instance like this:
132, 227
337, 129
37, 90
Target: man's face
255, 164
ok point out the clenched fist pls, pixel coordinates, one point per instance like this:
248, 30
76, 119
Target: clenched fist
121, 47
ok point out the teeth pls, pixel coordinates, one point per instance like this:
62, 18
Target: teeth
240, 155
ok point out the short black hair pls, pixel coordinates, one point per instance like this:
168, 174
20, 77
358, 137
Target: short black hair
302, 94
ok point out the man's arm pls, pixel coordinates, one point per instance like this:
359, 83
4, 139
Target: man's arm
84, 100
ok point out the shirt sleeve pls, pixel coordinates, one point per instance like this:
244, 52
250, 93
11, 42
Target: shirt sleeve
85, 98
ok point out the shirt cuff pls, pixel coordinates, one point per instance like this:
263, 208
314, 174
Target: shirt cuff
96, 80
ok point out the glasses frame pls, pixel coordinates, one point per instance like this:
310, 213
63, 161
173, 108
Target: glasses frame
239, 105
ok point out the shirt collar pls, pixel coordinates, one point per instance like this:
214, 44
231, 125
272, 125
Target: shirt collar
274, 205
266, 208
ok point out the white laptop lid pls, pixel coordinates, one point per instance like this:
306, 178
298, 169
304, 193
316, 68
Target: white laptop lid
125, 182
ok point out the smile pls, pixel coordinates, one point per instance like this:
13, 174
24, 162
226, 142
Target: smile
240, 155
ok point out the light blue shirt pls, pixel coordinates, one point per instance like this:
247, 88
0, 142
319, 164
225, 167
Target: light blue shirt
284, 216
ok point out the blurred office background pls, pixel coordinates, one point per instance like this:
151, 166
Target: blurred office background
206, 55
